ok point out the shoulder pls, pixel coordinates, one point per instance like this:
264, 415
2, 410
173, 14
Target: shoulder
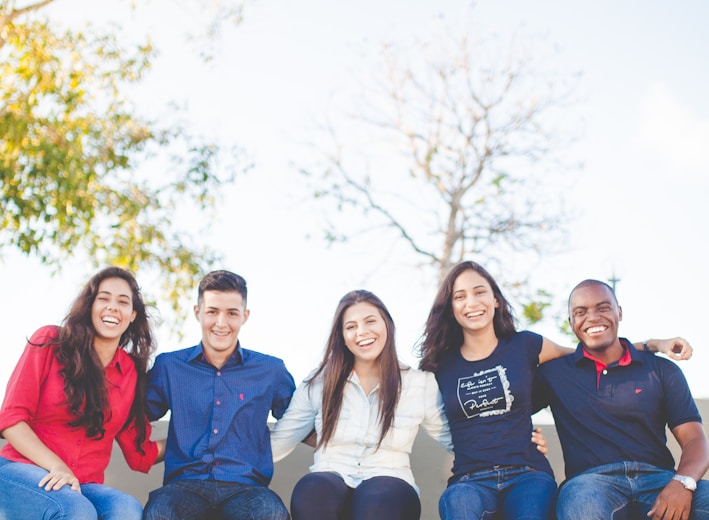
414, 375
174, 356
255, 357
44, 335
528, 337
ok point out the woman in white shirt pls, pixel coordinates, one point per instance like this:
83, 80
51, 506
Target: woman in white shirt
366, 408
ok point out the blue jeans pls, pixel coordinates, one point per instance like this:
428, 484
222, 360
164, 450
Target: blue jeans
21, 498
191, 499
623, 490
507, 492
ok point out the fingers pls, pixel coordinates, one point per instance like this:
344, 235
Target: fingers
682, 349
539, 439
55, 480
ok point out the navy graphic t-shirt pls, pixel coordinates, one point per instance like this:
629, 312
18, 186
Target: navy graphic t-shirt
489, 405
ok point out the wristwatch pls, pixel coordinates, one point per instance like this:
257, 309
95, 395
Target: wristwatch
688, 482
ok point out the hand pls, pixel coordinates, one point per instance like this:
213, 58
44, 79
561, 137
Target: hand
674, 502
59, 477
539, 439
675, 348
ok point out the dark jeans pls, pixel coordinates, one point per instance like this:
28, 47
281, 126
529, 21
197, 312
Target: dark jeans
189, 499
502, 492
325, 496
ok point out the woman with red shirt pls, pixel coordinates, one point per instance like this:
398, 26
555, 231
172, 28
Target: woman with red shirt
75, 389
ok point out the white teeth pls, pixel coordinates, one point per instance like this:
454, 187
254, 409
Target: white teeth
475, 314
594, 330
112, 321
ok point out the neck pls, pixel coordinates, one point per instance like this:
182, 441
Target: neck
368, 375
478, 344
609, 354
106, 350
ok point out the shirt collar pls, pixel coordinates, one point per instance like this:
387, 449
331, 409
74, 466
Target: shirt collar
238, 357
630, 355
119, 360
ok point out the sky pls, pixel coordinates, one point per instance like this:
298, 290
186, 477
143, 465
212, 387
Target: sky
640, 200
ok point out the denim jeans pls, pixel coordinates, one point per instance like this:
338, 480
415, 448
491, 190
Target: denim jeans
621, 491
191, 499
502, 492
21, 498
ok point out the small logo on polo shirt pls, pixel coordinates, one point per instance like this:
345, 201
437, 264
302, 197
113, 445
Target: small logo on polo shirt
638, 390
241, 396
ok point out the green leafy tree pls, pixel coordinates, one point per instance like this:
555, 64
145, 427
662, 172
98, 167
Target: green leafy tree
458, 156
82, 176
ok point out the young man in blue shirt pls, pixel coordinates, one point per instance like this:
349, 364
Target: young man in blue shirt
611, 404
218, 461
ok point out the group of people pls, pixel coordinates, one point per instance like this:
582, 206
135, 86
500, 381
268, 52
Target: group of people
79, 386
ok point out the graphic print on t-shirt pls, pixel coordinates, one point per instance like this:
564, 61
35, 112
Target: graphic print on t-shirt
485, 393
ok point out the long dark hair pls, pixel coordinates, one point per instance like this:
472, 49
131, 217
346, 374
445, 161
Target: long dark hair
83, 372
338, 362
443, 333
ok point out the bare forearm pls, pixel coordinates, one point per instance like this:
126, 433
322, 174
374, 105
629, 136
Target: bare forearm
25, 441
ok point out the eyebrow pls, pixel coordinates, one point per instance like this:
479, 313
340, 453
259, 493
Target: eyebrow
365, 318
110, 293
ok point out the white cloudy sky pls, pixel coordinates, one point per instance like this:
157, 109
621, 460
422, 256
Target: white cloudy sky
641, 200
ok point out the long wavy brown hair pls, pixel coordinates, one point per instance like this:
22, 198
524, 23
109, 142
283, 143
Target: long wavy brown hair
338, 363
83, 372
443, 333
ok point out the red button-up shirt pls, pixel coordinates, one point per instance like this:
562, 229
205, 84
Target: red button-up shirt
35, 394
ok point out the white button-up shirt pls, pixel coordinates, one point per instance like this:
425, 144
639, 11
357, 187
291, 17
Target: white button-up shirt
352, 450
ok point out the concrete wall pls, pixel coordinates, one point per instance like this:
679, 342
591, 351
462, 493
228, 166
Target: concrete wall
431, 466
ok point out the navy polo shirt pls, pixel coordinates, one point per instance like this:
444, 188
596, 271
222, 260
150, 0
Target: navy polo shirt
617, 413
218, 423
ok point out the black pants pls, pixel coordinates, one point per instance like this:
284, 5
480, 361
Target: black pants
325, 496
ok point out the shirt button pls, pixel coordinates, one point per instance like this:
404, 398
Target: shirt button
216, 463
218, 402
605, 372
215, 431
219, 372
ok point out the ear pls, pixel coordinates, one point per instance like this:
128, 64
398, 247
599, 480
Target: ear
620, 313
196, 312
497, 304
132, 316
247, 313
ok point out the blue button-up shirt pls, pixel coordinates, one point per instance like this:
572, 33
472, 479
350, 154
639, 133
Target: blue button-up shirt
218, 422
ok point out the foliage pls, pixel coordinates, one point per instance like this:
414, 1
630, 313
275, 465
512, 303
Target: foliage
82, 174
459, 154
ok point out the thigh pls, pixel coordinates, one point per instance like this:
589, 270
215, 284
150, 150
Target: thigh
593, 496
531, 496
467, 499
178, 500
246, 502
21, 498
112, 504
320, 496
700, 501
385, 498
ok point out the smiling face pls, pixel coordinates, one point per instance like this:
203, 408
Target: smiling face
594, 315
473, 301
221, 315
364, 331
112, 310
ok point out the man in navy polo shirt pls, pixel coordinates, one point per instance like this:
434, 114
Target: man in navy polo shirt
611, 404
218, 461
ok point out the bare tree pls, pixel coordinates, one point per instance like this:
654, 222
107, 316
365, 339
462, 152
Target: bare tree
464, 151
